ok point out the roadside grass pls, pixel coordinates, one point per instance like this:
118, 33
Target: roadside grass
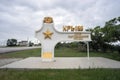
59, 52
60, 74
68, 52
22, 54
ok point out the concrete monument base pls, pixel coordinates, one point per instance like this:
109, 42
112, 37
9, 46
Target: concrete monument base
49, 36
64, 63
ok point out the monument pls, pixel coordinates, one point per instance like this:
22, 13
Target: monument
49, 37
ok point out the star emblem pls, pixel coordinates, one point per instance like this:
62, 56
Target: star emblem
48, 34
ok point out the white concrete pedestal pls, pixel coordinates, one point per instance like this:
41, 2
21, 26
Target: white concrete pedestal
49, 37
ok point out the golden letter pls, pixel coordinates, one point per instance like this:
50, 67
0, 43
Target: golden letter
76, 28
80, 28
72, 28
64, 28
68, 28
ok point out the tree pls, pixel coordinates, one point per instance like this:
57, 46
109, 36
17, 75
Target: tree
97, 38
103, 36
31, 43
111, 30
11, 42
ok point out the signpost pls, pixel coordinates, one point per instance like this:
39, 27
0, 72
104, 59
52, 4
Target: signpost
49, 37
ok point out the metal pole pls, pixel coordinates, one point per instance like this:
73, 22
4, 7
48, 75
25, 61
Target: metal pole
88, 50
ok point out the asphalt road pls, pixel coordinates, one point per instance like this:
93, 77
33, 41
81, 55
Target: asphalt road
12, 49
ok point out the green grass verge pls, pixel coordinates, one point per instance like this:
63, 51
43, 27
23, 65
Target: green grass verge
22, 54
66, 74
68, 52
60, 52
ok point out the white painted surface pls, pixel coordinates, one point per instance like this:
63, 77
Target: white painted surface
48, 45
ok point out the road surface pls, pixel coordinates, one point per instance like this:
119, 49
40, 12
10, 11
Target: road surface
12, 49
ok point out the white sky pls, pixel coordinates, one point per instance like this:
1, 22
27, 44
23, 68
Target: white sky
20, 18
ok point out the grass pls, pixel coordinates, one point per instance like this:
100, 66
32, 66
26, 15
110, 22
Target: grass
60, 52
22, 54
63, 74
68, 52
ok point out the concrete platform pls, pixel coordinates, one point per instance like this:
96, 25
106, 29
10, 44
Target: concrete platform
64, 63
8, 61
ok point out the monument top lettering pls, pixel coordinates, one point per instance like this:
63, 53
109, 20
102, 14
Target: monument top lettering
48, 20
49, 37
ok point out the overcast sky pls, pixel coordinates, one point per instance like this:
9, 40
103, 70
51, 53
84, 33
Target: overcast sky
20, 18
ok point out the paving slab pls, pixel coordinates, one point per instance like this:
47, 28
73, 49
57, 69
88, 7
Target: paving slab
8, 60
64, 63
